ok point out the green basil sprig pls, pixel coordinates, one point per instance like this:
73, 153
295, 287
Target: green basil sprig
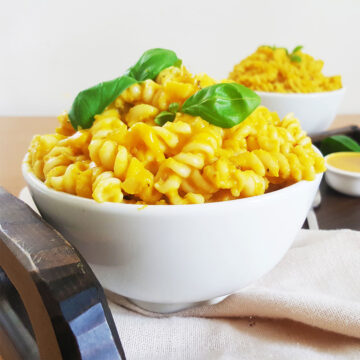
293, 57
94, 100
166, 116
152, 62
297, 48
224, 105
338, 143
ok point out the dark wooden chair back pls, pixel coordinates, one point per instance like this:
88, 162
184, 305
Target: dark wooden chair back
49, 296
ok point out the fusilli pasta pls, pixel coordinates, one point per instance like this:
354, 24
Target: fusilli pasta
126, 157
272, 70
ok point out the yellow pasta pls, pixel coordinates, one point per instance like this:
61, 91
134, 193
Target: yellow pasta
272, 70
125, 157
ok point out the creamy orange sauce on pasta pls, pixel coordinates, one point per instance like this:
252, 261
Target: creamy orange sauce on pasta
272, 70
348, 161
126, 157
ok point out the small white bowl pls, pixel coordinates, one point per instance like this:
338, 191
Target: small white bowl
346, 182
315, 111
170, 257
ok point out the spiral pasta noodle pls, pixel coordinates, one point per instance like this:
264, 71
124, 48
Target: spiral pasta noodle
272, 70
126, 157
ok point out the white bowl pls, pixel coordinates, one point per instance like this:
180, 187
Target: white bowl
346, 182
169, 257
315, 111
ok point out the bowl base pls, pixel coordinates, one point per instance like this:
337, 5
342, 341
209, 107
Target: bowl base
167, 308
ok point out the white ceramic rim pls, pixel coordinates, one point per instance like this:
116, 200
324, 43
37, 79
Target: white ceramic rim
335, 170
31, 178
300, 95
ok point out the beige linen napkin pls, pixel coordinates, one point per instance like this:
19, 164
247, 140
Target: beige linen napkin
307, 307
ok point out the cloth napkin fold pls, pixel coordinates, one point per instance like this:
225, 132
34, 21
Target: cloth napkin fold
307, 307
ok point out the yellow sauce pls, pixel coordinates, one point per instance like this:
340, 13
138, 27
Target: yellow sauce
142, 207
348, 161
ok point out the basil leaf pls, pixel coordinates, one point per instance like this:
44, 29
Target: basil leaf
224, 105
151, 63
292, 56
178, 63
174, 107
164, 117
94, 100
338, 143
169, 115
295, 58
298, 48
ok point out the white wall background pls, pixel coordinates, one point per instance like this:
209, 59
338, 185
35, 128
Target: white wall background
50, 50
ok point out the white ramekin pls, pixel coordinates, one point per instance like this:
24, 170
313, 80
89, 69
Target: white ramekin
346, 182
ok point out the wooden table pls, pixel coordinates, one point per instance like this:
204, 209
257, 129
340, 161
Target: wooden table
16, 134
